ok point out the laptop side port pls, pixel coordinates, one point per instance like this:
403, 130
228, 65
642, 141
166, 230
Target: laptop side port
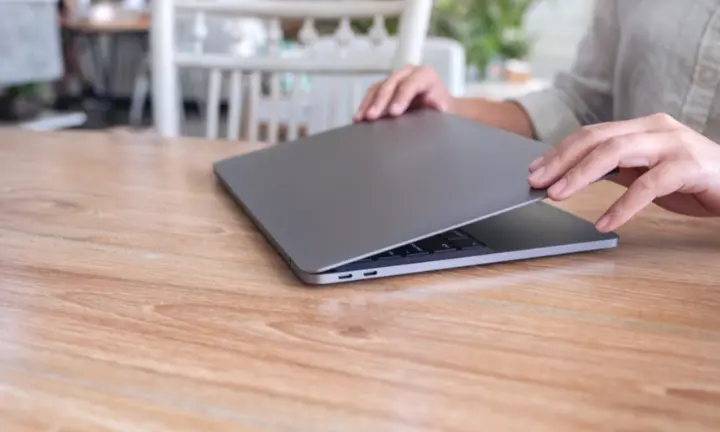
370, 273
347, 276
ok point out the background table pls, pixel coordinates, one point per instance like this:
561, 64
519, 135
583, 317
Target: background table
105, 61
135, 296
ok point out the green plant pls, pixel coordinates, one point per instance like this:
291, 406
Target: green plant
29, 89
486, 28
21, 102
514, 45
362, 26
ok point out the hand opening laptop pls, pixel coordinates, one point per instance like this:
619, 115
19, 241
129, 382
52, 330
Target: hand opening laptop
421, 192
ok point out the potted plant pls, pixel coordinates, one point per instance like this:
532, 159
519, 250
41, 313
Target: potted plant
490, 30
514, 50
21, 102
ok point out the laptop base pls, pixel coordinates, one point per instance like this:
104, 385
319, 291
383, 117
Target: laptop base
532, 231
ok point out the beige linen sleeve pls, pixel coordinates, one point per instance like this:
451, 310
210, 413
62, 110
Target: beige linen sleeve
583, 95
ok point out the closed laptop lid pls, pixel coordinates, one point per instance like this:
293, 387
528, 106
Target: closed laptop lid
339, 196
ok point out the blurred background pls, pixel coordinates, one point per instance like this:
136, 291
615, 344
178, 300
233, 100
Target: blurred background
86, 63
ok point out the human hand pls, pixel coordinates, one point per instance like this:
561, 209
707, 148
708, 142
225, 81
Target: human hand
660, 160
410, 87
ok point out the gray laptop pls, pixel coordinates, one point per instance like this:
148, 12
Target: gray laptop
421, 192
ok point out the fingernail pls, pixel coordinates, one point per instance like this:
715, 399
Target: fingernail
558, 187
603, 223
536, 163
537, 175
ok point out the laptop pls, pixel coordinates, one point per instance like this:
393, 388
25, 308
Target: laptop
422, 192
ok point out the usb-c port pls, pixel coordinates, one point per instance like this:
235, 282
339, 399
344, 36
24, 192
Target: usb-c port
370, 273
347, 276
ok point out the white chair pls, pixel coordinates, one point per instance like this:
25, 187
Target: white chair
327, 108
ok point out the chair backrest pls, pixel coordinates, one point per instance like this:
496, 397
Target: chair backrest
251, 76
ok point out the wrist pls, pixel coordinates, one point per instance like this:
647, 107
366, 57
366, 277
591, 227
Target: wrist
504, 115
456, 106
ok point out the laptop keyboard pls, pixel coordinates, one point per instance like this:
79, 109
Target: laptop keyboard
448, 245
451, 241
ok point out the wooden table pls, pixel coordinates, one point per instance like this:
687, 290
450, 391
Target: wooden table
135, 297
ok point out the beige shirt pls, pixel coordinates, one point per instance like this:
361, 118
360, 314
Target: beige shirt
639, 57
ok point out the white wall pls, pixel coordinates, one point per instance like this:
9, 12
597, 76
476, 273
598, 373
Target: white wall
559, 26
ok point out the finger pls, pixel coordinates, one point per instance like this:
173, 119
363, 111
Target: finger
385, 93
574, 148
418, 82
435, 99
627, 151
367, 100
660, 181
556, 161
538, 162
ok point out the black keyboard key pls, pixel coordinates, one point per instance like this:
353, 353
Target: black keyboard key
455, 235
435, 244
466, 243
446, 242
388, 255
412, 250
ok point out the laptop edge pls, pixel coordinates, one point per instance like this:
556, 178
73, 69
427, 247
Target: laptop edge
526, 251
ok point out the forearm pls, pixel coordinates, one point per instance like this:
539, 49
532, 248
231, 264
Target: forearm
508, 116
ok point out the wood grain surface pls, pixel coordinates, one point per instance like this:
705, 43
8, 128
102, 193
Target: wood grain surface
134, 296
